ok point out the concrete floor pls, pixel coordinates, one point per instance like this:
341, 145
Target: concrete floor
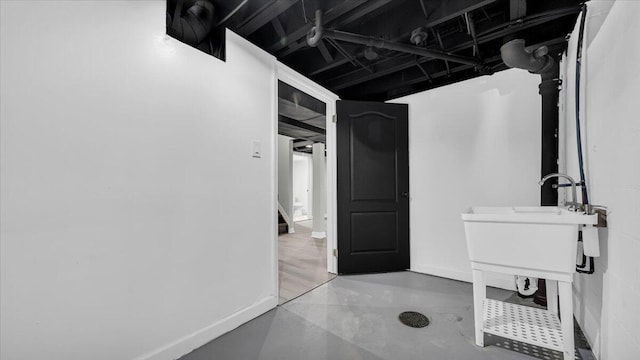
356, 317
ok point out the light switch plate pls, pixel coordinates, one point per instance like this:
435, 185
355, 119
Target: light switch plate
255, 149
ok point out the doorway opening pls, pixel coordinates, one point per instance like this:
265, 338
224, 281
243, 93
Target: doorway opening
302, 193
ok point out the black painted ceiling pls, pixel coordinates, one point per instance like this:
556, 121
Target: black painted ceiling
470, 32
470, 28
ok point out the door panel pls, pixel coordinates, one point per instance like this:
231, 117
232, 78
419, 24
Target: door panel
374, 232
373, 143
373, 186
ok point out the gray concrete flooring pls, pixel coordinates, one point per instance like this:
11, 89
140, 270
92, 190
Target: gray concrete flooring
356, 317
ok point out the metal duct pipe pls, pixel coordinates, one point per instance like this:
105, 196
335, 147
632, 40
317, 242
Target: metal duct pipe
192, 25
515, 55
318, 32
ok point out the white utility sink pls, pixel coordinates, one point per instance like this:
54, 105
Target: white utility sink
543, 238
531, 241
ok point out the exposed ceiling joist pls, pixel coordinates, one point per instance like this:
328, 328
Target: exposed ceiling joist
352, 59
325, 52
403, 30
359, 70
264, 15
298, 143
446, 10
386, 67
384, 88
517, 9
277, 26
301, 124
298, 133
424, 71
394, 46
472, 31
367, 8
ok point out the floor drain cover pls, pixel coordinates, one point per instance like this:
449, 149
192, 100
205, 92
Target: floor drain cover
413, 319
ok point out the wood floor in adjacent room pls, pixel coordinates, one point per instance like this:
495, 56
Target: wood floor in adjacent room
302, 262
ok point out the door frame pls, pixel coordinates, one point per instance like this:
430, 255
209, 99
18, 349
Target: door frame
291, 77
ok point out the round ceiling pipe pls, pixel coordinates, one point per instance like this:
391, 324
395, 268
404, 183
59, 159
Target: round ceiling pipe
314, 35
192, 21
515, 55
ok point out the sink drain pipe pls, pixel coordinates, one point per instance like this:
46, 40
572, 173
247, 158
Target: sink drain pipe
538, 61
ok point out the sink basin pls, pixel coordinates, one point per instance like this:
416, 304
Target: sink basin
543, 238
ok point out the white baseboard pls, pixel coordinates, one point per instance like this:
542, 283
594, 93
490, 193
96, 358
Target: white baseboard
496, 280
188, 343
319, 234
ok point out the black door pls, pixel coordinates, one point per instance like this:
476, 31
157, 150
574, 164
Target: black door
373, 187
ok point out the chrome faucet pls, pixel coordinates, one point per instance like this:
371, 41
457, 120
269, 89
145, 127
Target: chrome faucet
573, 205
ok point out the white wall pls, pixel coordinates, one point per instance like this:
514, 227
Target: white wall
125, 161
606, 303
472, 143
285, 177
302, 187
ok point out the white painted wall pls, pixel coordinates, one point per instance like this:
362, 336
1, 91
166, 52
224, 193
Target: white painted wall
472, 143
606, 303
302, 187
125, 162
285, 178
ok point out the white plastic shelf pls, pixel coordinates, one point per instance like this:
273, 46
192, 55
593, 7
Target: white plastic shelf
523, 323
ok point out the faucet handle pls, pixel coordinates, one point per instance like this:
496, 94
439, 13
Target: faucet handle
574, 206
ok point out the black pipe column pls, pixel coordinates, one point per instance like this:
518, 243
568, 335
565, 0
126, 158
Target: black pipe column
538, 61
549, 89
